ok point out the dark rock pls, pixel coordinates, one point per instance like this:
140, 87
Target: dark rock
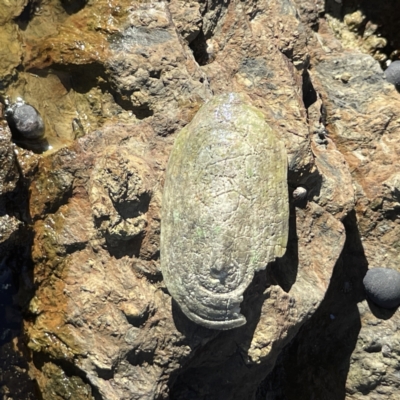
383, 287
393, 73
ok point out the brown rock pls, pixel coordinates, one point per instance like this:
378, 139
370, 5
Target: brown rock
80, 223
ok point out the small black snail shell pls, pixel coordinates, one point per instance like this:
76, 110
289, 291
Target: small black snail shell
392, 73
25, 121
382, 286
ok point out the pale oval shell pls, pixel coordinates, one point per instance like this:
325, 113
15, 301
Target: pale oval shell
225, 210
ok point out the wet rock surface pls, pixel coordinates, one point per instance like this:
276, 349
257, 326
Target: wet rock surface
85, 313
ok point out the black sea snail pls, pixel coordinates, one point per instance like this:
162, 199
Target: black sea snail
382, 286
25, 121
392, 73
225, 209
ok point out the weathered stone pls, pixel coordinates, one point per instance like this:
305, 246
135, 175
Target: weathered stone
101, 319
225, 210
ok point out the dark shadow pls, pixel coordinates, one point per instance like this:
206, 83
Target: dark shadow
73, 6
309, 93
16, 291
142, 112
132, 209
199, 49
380, 312
284, 269
316, 363
37, 146
27, 14
119, 248
15, 381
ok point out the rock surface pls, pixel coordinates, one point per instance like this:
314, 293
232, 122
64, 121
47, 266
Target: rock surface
85, 312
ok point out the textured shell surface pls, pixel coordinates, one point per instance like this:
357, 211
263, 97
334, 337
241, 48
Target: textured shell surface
225, 209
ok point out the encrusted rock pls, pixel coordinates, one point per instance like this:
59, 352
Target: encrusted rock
225, 210
383, 287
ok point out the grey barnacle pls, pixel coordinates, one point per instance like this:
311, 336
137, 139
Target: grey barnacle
24, 120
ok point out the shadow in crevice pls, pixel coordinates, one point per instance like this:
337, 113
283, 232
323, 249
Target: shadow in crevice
132, 209
27, 14
73, 6
284, 270
16, 291
200, 49
309, 93
316, 363
119, 248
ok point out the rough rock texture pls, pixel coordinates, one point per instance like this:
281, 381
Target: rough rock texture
85, 313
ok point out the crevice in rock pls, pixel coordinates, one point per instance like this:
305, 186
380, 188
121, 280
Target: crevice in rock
16, 291
73, 6
105, 374
140, 357
122, 248
138, 320
392, 215
15, 381
202, 52
316, 363
309, 93
284, 269
128, 209
27, 14
123, 101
